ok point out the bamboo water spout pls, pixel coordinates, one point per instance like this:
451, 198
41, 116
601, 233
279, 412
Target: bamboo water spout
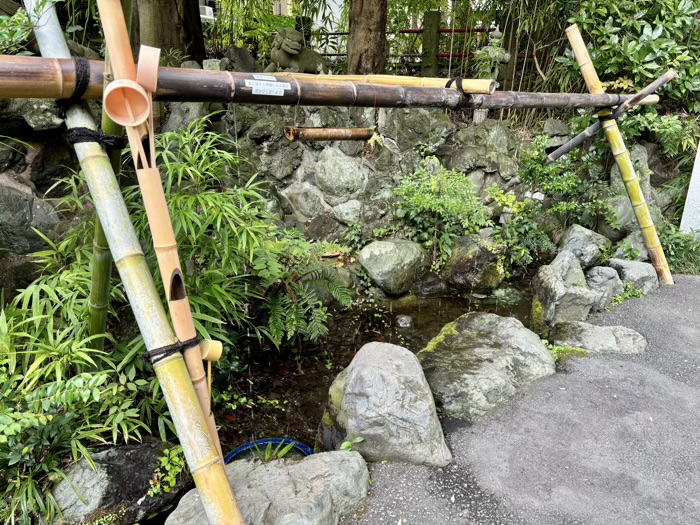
33, 77
622, 159
320, 134
201, 454
159, 221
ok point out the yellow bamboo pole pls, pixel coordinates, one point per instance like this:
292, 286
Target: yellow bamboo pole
622, 159
471, 86
202, 457
159, 221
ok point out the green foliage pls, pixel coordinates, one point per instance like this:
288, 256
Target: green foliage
641, 39
629, 291
577, 186
682, 250
437, 205
235, 255
347, 445
526, 239
268, 453
171, 465
14, 33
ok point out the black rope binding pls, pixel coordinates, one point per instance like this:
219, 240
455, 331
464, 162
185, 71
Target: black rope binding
82, 81
457, 81
108, 142
604, 118
158, 354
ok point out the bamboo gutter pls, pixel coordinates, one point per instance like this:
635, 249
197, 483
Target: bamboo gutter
34, 77
321, 134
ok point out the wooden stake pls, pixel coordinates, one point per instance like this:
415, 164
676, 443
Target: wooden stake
622, 159
320, 134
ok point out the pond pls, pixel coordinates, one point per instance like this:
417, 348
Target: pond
283, 394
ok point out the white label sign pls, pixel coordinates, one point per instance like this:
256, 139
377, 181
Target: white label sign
270, 91
265, 77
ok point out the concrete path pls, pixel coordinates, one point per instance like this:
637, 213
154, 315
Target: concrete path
609, 440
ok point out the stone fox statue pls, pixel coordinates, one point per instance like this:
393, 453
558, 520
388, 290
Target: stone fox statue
288, 52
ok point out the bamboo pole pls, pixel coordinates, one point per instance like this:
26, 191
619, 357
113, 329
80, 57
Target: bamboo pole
320, 134
594, 128
205, 463
101, 270
159, 221
622, 159
33, 77
470, 86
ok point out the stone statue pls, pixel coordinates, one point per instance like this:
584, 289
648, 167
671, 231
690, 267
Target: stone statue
288, 52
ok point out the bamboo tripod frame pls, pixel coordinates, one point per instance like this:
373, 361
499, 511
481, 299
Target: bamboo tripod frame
202, 457
622, 159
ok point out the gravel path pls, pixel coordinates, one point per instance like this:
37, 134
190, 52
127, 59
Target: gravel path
609, 440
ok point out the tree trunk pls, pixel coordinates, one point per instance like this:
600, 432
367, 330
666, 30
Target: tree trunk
367, 46
172, 25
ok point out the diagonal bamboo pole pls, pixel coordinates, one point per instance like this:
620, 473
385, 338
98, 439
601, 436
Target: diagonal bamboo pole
620, 110
202, 457
622, 159
159, 221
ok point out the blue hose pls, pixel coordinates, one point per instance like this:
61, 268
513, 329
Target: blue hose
300, 447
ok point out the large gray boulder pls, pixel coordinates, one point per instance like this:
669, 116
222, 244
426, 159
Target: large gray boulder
20, 213
394, 264
305, 199
642, 275
314, 491
598, 339
606, 282
480, 361
340, 177
475, 265
561, 293
585, 244
383, 397
118, 487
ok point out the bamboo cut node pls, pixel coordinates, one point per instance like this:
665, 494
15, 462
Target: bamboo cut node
320, 134
127, 103
211, 350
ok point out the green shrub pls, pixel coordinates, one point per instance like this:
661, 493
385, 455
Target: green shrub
577, 186
437, 205
639, 40
682, 250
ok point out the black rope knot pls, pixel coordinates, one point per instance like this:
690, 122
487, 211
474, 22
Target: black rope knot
158, 354
82, 81
108, 142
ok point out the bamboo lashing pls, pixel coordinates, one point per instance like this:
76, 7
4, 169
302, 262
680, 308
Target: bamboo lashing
201, 455
594, 128
34, 77
129, 103
320, 134
622, 159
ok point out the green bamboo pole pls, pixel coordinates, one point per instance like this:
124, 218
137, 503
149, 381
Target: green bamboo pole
202, 457
622, 159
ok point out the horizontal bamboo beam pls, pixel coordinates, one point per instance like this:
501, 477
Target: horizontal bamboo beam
469, 85
320, 134
523, 99
34, 77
